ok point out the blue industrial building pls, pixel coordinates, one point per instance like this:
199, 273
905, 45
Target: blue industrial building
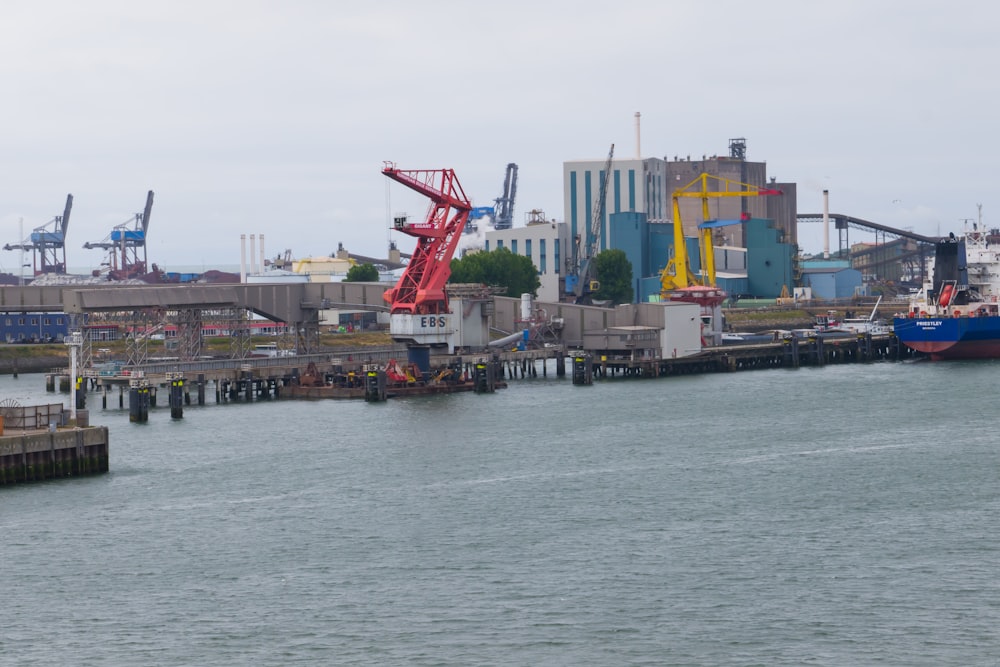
763, 270
769, 260
831, 279
33, 327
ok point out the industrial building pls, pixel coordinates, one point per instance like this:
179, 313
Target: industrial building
626, 204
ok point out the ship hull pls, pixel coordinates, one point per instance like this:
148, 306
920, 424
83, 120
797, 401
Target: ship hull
951, 337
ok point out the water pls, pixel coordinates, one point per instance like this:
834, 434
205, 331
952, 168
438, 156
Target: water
847, 515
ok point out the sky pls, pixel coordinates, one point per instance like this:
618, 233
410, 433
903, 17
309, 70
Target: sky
276, 118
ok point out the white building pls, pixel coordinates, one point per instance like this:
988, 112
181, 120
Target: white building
544, 242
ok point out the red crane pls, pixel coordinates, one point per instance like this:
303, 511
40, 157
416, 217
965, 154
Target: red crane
420, 289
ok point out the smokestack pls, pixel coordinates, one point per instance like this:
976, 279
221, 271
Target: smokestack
638, 146
243, 258
262, 255
253, 254
826, 224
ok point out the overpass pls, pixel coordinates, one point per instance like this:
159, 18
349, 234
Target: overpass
143, 309
292, 302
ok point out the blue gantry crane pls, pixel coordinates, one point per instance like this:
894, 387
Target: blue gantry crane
126, 245
47, 243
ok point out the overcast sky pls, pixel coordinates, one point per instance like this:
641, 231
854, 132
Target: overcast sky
275, 118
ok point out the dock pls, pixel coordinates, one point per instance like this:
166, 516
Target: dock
364, 376
790, 352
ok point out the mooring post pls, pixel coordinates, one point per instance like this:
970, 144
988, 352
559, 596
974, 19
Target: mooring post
483, 378
583, 369
81, 393
133, 405
138, 404
375, 383
177, 398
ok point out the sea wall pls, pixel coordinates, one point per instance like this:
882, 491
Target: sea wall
33, 456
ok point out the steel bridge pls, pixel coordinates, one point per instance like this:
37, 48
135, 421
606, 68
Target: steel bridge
895, 251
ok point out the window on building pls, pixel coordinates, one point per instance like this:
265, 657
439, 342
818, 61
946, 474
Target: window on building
527, 248
555, 257
20, 321
8, 321
34, 321
487, 246
47, 321
513, 246
499, 243
541, 255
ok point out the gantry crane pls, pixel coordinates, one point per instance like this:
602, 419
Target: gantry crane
502, 211
677, 273
126, 245
583, 282
48, 243
418, 304
504, 204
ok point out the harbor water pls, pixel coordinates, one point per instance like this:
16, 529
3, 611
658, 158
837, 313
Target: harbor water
846, 515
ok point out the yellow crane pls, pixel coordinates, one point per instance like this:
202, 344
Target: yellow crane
678, 271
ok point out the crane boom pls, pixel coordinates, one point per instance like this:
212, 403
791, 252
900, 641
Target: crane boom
145, 213
421, 288
595, 227
504, 204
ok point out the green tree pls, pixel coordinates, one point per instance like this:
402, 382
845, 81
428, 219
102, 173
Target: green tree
501, 268
614, 272
362, 273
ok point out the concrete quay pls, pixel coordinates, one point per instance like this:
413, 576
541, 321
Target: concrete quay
38, 454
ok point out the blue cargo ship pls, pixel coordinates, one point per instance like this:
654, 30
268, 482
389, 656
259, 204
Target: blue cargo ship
955, 314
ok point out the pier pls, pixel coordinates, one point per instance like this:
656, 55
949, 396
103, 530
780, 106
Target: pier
362, 374
791, 352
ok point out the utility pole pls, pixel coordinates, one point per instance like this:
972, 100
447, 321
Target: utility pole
20, 234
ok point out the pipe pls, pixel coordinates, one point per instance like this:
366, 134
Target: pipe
253, 254
500, 342
826, 224
262, 253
